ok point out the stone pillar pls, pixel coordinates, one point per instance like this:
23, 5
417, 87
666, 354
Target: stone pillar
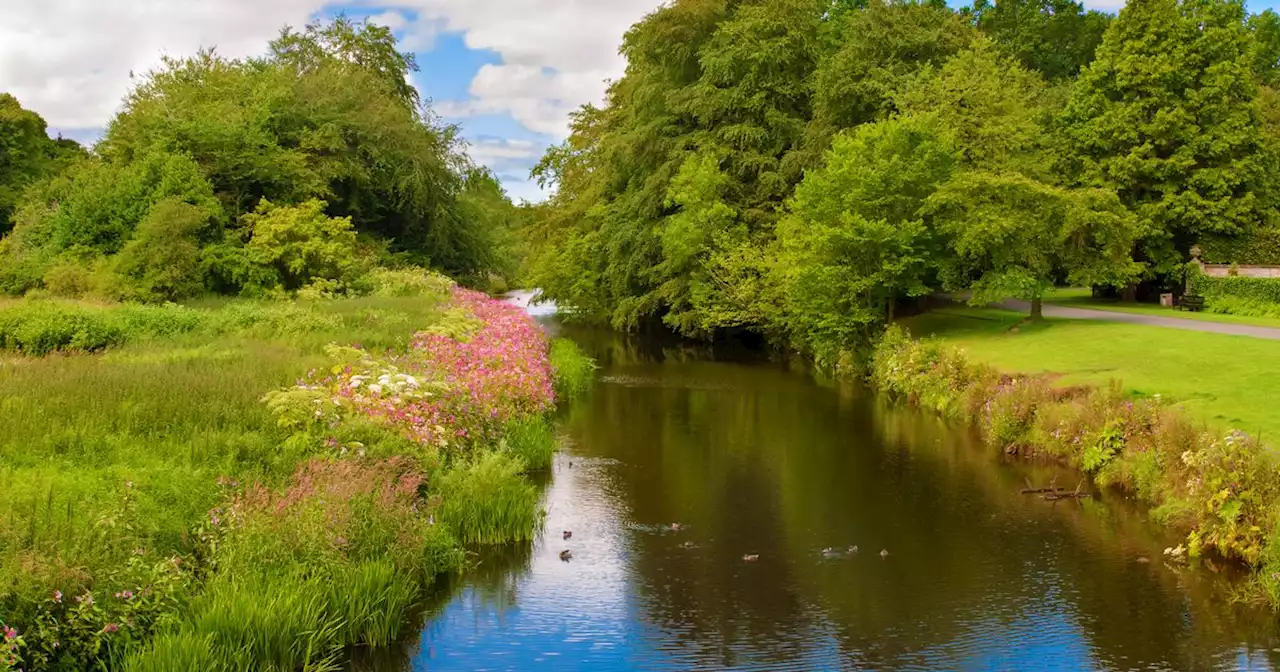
1195, 259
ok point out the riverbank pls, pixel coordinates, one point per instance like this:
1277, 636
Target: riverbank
224, 486
1219, 487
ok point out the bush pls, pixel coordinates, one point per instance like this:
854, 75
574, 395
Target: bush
300, 242
1230, 305
406, 282
1237, 287
42, 327
162, 261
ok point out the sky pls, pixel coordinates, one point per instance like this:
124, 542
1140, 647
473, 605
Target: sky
508, 72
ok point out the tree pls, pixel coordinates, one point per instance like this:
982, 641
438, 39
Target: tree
1013, 236
1056, 38
299, 242
991, 106
877, 50
1167, 116
26, 155
855, 240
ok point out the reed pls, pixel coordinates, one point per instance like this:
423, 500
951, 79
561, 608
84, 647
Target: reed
532, 440
573, 371
487, 501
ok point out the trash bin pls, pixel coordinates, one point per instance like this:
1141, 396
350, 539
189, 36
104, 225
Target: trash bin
1166, 300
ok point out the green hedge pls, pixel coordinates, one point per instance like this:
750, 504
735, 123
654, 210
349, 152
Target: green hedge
1259, 248
1255, 289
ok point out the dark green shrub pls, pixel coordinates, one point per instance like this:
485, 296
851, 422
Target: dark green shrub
162, 261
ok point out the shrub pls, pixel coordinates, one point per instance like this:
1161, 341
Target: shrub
41, 327
162, 260
300, 242
1237, 287
409, 281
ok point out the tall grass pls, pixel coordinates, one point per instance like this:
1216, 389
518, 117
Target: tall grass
573, 371
488, 501
532, 440
157, 463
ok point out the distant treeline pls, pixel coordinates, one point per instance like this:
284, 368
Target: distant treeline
301, 168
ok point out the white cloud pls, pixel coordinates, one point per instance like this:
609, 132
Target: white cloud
413, 34
556, 54
70, 60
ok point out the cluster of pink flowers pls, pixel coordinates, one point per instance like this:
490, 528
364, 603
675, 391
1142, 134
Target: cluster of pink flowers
447, 391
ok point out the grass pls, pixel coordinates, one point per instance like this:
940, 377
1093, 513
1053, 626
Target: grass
1227, 381
120, 455
488, 501
1075, 297
574, 371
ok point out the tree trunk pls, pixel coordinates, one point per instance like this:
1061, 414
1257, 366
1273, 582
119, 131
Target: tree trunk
892, 304
1037, 309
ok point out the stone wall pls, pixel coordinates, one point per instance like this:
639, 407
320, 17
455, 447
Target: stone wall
1223, 270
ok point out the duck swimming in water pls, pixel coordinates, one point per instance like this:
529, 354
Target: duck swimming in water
567, 534
853, 550
751, 557
566, 554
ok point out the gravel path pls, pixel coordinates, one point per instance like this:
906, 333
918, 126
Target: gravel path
1149, 320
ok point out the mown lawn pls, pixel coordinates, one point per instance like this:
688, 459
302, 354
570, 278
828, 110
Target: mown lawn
1075, 297
1228, 381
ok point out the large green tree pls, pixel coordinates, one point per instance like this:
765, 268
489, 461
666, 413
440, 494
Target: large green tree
1056, 38
1167, 116
27, 154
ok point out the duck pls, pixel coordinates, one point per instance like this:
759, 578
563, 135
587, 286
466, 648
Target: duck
676, 527
853, 550
567, 534
751, 557
884, 553
830, 552
566, 554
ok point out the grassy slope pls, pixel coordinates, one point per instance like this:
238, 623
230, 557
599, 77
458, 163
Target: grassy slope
1229, 381
1082, 298
169, 416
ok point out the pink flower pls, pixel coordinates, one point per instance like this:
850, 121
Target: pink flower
10, 634
57, 596
110, 628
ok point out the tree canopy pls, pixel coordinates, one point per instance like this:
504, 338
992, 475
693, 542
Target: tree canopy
326, 117
798, 167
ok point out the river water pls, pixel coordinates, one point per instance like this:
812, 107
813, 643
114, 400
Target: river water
755, 458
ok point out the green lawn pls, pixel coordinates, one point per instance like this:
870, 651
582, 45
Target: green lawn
1074, 297
1228, 381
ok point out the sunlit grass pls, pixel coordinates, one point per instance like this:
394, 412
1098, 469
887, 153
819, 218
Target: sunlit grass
1228, 381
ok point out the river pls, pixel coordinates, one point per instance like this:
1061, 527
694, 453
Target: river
756, 458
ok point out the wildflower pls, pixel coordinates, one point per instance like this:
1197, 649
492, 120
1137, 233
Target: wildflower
110, 628
125, 595
57, 596
10, 634
86, 599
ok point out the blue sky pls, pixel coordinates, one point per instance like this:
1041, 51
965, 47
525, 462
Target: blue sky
508, 72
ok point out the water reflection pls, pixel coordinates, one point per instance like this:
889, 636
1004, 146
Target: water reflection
754, 459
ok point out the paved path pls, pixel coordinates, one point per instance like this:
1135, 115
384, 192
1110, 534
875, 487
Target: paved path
1149, 320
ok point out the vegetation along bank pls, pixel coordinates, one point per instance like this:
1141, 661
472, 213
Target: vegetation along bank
174, 502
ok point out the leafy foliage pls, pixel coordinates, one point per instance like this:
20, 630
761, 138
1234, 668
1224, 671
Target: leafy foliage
1167, 117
